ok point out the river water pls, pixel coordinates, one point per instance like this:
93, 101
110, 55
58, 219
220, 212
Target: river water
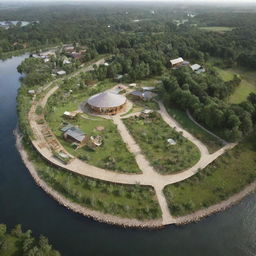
230, 233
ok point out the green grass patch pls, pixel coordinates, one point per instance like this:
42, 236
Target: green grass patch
112, 154
247, 85
152, 133
226, 176
181, 117
127, 201
216, 29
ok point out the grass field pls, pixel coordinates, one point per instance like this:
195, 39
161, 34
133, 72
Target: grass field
181, 117
216, 29
152, 133
248, 83
112, 154
128, 201
226, 176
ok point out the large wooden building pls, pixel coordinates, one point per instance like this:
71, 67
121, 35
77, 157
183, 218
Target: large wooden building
106, 103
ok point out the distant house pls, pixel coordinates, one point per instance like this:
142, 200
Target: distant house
146, 112
132, 85
31, 92
197, 68
147, 95
61, 73
77, 55
148, 88
119, 77
66, 61
74, 134
35, 56
69, 48
176, 62
47, 54
70, 115
46, 60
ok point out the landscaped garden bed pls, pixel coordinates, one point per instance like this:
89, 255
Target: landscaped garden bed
127, 201
226, 176
112, 154
152, 134
212, 143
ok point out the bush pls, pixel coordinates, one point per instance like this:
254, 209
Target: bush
39, 110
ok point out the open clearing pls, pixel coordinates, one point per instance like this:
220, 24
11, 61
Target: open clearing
226, 176
247, 86
181, 117
216, 29
128, 201
106, 156
152, 133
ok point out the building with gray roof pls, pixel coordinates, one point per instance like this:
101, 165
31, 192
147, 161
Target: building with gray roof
107, 103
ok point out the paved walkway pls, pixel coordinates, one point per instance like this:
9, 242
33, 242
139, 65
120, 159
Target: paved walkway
148, 177
206, 130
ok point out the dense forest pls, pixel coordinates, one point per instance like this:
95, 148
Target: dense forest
17, 242
141, 41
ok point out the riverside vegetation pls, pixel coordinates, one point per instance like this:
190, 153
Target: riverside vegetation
152, 134
141, 51
15, 242
227, 175
105, 156
127, 201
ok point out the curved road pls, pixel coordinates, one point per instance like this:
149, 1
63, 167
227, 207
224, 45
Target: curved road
148, 177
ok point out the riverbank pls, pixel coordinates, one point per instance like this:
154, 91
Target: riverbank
98, 216
131, 223
222, 206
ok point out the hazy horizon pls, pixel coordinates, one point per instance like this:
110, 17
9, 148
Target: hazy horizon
139, 1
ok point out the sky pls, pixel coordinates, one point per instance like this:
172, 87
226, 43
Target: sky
203, 2
170, 1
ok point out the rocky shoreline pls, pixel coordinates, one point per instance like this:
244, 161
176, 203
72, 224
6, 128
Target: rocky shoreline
211, 210
125, 222
96, 215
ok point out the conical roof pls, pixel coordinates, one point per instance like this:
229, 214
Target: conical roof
106, 100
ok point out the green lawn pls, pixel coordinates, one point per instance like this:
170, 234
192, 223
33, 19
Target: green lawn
226, 176
181, 117
248, 83
216, 29
139, 104
152, 134
112, 154
127, 201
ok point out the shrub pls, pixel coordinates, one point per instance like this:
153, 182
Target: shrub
39, 110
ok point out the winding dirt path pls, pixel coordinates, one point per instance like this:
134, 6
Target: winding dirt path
148, 176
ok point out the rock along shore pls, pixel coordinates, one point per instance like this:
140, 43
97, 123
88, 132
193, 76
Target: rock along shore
125, 222
96, 215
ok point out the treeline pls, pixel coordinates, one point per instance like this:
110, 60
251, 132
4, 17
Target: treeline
204, 97
19, 243
119, 30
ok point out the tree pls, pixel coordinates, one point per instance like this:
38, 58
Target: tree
2, 230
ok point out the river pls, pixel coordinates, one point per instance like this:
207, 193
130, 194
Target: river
230, 233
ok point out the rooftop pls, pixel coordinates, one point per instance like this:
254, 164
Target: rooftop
106, 100
73, 132
176, 61
195, 67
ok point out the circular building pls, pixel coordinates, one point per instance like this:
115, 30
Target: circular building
107, 103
